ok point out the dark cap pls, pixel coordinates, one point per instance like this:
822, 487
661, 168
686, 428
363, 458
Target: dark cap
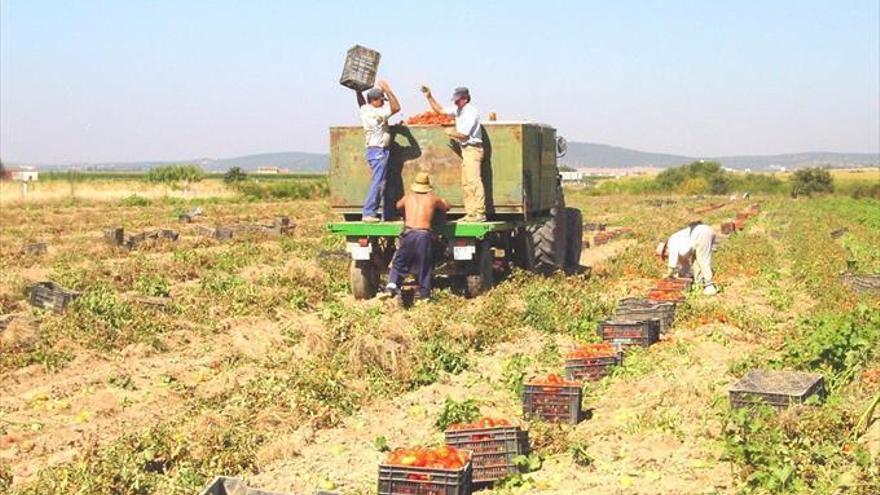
461, 92
375, 94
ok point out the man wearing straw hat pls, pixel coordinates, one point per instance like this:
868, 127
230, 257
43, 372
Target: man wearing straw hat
414, 254
691, 249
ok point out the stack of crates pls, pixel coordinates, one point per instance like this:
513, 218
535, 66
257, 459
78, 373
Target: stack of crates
394, 480
493, 450
637, 309
361, 65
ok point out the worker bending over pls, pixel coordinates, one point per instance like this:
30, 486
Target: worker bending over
414, 254
469, 134
374, 117
690, 251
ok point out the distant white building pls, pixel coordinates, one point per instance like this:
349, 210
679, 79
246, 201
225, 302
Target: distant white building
270, 170
576, 176
24, 174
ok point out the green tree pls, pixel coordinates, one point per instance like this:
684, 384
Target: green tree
808, 181
177, 175
233, 175
716, 178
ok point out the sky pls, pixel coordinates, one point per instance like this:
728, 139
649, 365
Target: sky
128, 80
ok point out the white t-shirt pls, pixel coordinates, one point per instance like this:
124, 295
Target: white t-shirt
679, 244
467, 122
375, 122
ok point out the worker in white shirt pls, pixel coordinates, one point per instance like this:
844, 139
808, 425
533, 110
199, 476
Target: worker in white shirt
374, 117
690, 251
469, 135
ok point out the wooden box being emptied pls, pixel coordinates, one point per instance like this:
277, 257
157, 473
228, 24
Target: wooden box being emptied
775, 388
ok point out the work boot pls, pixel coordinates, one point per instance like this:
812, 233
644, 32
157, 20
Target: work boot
474, 218
710, 290
370, 219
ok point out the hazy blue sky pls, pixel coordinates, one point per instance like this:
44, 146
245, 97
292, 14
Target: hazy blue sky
134, 80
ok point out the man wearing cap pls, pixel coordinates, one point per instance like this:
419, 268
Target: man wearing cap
691, 249
374, 117
414, 254
469, 135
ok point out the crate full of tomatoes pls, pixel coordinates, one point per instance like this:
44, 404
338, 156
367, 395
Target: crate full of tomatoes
628, 333
553, 399
591, 362
443, 470
493, 443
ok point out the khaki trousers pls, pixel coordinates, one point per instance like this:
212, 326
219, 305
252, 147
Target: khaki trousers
472, 181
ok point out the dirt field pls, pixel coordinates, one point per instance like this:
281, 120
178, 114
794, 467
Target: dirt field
187, 359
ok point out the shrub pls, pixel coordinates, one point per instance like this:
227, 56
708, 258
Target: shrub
135, 200
234, 175
717, 180
808, 181
694, 186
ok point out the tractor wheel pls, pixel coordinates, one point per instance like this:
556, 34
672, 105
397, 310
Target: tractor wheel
549, 239
482, 277
574, 238
363, 275
523, 250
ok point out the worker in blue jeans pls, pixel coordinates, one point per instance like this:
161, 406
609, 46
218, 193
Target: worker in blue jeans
414, 253
374, 117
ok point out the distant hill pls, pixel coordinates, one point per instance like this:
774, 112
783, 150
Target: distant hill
580, 154
604, 156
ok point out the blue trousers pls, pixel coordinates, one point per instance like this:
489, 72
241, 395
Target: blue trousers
377, 158
414, 256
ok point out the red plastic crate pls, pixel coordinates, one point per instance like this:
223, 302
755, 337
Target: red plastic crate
492, 450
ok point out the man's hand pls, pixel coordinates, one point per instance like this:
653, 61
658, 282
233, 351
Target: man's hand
384, 86
426, 91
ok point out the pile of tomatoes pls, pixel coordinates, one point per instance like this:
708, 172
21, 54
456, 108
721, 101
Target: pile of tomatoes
605, 349
444, 457
554, 379
484, 422
430, 118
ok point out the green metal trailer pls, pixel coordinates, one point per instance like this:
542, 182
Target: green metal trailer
529, 226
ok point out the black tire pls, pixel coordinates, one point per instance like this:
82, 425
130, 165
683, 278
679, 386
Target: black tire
482, 277
363, 275
523, 250
574, 238
549, 239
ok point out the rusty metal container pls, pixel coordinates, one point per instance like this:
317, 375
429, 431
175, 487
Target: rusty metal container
519, 167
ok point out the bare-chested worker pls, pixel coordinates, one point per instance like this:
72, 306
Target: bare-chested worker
414, 254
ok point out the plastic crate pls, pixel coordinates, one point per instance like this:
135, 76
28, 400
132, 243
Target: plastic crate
405, 480
776, 388
492, 450
670, 295
553, 403
114, 236
49, 295
591, 369
223, 485
628, 333
34, 248
361, 65
644, 309
674, 284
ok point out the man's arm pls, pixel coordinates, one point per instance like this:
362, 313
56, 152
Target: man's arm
401, 202
435, 107
441, 204
360, 98
392, 98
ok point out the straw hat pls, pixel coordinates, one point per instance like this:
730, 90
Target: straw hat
422, 184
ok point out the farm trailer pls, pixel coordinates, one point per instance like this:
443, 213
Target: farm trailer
529, 225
